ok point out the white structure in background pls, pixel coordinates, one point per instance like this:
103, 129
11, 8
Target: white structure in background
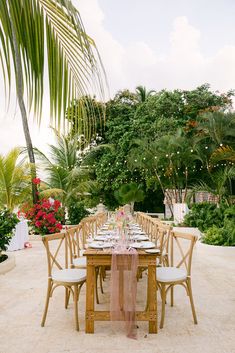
174, 202
20, 237
179, 211
100, 208
127, 209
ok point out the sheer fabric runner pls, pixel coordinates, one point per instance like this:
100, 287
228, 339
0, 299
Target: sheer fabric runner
123, 288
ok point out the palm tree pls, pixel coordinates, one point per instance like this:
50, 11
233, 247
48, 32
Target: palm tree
14, 180
218, 128
218, 185
26, 27
223, 153
142, 93
130, 193
64, 176
170, 160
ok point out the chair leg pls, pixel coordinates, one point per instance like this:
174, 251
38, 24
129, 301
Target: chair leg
190, 293
172, 296
49, 286
76, 307
163, 295
67, 296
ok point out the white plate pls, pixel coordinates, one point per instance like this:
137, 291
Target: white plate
143, 245
100, 245
152, 251
100, 237
140, 237
138, 233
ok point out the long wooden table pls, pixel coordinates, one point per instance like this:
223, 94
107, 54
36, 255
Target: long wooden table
103, 258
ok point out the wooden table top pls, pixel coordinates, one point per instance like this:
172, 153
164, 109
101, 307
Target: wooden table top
90, 252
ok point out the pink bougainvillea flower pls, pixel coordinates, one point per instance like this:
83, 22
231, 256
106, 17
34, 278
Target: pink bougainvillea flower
36, 181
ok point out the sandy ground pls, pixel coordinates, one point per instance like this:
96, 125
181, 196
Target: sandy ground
22, 295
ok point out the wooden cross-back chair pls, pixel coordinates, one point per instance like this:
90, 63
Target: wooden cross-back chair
182, 245
163, 233
58, 248
77, 260
100, 219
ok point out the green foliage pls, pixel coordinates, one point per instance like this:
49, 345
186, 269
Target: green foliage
217, 223
50, 31
221, 236
85, 112
154, 139
130, 193
8, 221
213, 236
76, 212
15, 185
65, 177
205, 215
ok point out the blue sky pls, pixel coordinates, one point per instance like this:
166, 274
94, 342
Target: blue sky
151, 21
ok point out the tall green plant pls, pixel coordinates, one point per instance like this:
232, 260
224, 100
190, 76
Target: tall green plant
14, 179
130, 193
8, 221
32, 29
64, 176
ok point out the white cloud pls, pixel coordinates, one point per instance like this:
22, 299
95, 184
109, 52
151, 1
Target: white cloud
183, 66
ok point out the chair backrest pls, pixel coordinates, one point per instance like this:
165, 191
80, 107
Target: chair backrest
182, 245
77, 242
57, 248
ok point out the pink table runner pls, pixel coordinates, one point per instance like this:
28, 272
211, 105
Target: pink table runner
123, 288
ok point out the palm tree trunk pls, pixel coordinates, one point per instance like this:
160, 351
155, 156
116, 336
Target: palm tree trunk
20, 97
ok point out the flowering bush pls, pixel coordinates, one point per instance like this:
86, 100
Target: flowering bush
45, 216
8, 221
36, 181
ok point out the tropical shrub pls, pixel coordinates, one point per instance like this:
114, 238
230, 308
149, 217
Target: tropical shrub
8, 221
221, 236
76, 212
213, 236
130, 193
46, 217
217, 223
205, 215
15, 185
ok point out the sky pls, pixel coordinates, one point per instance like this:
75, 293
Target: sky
158, 44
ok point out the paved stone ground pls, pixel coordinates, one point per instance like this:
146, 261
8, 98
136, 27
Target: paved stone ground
22, 295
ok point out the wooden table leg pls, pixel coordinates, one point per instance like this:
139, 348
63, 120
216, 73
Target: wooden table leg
90, 296
152, 298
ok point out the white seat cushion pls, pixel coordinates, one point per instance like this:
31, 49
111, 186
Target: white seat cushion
170, 274
80, 261
69, 275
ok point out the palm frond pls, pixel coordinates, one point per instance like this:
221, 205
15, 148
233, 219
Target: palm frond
73, 62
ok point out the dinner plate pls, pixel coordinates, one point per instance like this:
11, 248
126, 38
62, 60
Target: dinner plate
152, 251
136, 232
143, 245
100, 245
100, 237
140, 237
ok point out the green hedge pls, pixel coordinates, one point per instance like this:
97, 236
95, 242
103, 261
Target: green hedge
217, 223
